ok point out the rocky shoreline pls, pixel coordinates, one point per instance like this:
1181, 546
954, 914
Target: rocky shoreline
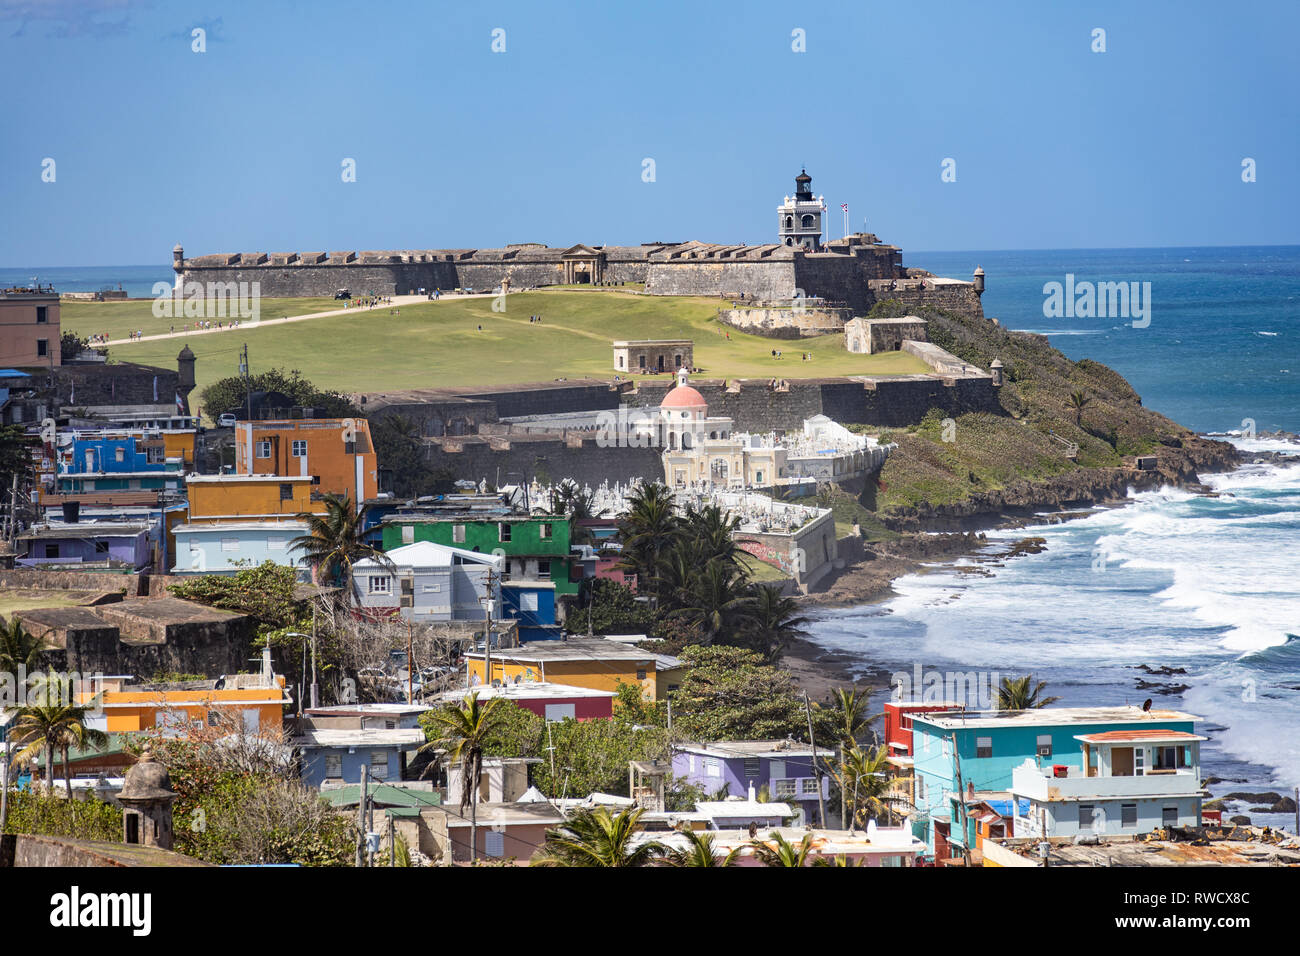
948, 532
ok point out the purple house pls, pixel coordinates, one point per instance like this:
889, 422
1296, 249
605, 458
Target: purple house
785, 767
123, 545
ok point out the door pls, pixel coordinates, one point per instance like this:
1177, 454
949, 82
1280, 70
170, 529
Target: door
1121, 762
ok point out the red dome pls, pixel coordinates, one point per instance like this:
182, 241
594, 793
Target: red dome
683, 396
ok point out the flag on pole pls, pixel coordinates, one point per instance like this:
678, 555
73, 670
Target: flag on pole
844, 206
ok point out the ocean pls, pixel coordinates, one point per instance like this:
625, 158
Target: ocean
1205, 586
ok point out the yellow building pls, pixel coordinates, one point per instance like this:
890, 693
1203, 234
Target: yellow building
595, 663
239, 498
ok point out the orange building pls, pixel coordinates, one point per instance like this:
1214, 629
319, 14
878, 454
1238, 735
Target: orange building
239, 498
255, 702
337, 452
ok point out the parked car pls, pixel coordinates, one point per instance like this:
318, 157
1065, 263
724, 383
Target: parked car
343, 294
226, 421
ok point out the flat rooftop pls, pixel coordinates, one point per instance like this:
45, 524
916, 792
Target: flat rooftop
526, 690
367, 737
751, 748
1048, 716
576, 649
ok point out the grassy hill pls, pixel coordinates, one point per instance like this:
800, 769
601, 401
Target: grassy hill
463, 342
993, 462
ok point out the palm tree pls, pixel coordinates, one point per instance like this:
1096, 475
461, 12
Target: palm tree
570, 500
1021, 693
1079, 401
774, 622
715, 531
718, 602
19, 651
334, 542
463, 732
648, 530
863, 776
851, 714
781, 852
53, 726
598, 838
700, 851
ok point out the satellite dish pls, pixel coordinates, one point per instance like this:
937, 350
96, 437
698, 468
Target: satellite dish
1146, 705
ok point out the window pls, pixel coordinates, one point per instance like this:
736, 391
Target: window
458, 533
119, 454
101, 547
431, 588
503, 531
751, 767
784, 788
408, 534
214, 719
263, 449
1166, 758
51, 550
508, 566
983, 746
546, 531
379, 584
544, 570
42, 346
712, 768
528, 601
1169, 816
286, 491
561, 711
41, 316
379, 764
229, 544
1086, 812
758, 477
276, 543
640, 674
1044, 745
808, 786
494, 843
1128, 815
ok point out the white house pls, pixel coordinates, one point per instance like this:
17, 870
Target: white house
1141, 780
430, 582
216, 547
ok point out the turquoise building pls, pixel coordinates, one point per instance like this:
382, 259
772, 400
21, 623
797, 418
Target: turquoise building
955, 753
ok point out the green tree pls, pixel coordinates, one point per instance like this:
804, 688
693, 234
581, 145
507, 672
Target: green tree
728, 693
15, 453
1078, 402
598, 838
700, 851
1021, 693
50, 727
773, 622
230, 394
717, 603
570, 500
334, 542
265, 592
462, 732
864, 781
19, 651
647, 531
850, 709
614, 609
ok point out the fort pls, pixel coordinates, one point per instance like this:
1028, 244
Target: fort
855, 272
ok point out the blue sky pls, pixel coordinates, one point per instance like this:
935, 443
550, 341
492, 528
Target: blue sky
240, 148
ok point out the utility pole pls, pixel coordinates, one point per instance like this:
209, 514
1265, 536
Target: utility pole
392, 840
410, 667
248, 388
315, 690
13, 514
487, 635
361, 819
961, 801
817, 770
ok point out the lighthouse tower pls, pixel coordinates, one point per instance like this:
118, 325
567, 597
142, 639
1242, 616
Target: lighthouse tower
800, 216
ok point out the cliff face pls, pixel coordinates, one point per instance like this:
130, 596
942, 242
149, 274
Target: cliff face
1068, 436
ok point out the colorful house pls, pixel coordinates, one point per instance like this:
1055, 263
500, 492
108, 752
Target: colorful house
134, 460
552, 701
239, 498
125, 546
334, 757
337, 452
580, 662
217, 547
1124, 782
531, 604
953, 753
784, 767
252, 701
535, 547
429, 582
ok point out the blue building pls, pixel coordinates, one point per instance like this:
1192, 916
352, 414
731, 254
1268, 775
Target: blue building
213, 547
958, 756
334, 757
102, 461
532, 605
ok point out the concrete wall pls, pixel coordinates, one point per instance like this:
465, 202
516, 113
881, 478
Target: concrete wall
762, 279
786, 323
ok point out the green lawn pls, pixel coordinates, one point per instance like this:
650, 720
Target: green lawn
463, 342
26, 600
117, 319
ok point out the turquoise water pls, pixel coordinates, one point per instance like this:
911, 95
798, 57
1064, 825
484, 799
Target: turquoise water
1223, 343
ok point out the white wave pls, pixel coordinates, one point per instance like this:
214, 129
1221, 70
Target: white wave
1270, 334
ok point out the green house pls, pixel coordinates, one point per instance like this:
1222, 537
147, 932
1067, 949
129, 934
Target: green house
536, 547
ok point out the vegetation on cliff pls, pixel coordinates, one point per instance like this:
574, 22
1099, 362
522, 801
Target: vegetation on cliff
1051, 406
